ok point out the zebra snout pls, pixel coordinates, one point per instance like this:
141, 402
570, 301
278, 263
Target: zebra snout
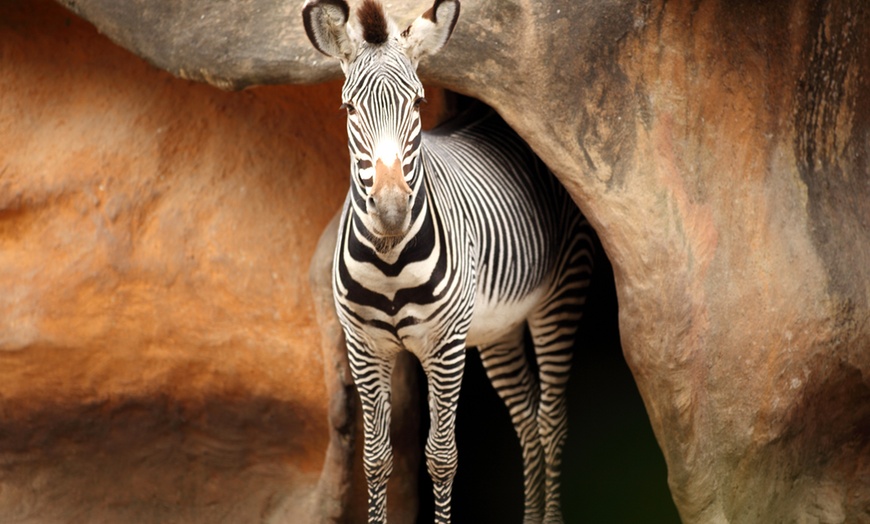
390, 211
389, 204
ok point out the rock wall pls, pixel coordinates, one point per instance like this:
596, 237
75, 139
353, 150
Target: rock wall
159, 353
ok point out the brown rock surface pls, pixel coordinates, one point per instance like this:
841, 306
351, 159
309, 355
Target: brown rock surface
159, 355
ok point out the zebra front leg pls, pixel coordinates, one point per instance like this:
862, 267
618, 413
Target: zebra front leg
508, 370
371, 374
444, 375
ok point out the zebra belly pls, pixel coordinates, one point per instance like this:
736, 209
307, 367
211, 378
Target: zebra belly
493, 320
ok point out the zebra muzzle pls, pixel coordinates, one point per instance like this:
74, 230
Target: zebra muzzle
389, 203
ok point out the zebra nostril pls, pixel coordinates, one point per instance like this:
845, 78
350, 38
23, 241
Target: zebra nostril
371, 203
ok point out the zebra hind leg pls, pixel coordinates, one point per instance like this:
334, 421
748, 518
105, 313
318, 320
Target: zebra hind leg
553, 346
510, 374
553, 327
371, 374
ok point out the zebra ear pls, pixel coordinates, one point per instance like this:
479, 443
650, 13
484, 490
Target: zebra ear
428, 34
326, 26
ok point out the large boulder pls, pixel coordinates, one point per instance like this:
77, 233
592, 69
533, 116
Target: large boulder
719, 148
159, 352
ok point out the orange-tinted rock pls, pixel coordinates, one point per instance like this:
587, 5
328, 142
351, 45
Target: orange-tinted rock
159, 355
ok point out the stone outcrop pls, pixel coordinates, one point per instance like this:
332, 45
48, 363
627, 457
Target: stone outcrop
159, 351
719, 148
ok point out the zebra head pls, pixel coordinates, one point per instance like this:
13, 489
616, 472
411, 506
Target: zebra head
382, 95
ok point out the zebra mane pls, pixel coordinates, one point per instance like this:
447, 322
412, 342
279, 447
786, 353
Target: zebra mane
374, 22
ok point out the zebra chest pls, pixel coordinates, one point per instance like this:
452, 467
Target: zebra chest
405, 308
391, 292
406, 297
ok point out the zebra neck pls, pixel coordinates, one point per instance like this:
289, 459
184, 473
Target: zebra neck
365, 244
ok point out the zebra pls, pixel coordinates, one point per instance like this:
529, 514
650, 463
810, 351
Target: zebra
453, 238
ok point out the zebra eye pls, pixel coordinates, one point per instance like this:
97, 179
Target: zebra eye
350, 109
418, 101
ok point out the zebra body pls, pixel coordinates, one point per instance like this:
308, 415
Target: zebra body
505, 275
453, 238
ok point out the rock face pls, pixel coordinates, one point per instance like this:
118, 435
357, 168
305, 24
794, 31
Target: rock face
159, 353
720, 149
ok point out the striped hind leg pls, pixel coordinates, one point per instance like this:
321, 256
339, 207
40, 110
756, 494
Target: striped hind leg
509, 372
371, 374
554, 338
553, 327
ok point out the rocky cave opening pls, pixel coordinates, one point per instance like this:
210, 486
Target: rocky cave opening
612, 470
